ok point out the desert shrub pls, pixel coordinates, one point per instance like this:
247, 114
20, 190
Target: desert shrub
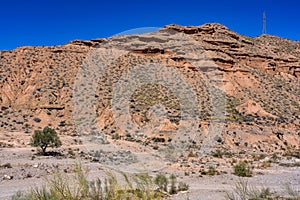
116, 136
243, 191
217, 153
182, 187
71, 153
242, 169
274, 157
145, 189
45, 138
191, 154
203, 172
292, 152
212, 171
173, 189
162, 182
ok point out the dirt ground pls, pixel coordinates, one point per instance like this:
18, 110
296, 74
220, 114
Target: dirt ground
21, 169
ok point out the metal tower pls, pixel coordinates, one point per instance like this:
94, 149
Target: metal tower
264, 30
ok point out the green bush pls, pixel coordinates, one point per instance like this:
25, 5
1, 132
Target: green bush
45, 138
242, 169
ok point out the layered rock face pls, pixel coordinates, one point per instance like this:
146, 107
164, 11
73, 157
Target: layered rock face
267, 53
257, 79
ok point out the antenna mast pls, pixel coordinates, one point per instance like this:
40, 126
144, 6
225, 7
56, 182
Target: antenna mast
264, 30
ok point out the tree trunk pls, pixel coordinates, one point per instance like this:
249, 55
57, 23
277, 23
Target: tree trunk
44, 150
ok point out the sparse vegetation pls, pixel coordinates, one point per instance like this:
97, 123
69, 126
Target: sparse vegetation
221, 153
242, 169
173, 189
71, 153
162, 182
61, 186
259, 117
274, 157
292, 152
183, 187
217, 153
116, 136
140, 186
243, 191
212, 171
191, 154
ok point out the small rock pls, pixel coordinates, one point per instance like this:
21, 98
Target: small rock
218, 139
36, 119
35, 165
7, 177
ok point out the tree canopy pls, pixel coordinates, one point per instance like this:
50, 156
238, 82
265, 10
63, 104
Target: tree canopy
45, 138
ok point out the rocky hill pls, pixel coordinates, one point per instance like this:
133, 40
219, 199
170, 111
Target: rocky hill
257, 79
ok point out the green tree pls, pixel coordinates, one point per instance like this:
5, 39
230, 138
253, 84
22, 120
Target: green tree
45, 138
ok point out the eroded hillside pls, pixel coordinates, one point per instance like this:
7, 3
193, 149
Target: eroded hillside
257, 79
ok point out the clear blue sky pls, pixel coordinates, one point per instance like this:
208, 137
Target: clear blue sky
52, 22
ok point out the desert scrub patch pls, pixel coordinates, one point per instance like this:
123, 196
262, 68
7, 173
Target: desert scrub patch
182, 187
242, 169
62, 186
244, 191
292, 152
191, 154
139, 186
211, 171
220, 153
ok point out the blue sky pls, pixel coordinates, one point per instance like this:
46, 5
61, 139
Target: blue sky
53, 22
